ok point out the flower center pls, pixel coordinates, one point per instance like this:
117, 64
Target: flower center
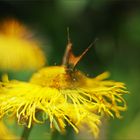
57, 77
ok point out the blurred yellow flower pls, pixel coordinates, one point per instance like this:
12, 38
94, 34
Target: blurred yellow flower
17, 48
5, 134
63, 95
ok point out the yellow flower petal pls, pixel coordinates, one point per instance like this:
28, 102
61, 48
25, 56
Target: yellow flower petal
25, 100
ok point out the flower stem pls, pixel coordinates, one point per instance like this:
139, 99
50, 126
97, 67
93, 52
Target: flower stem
68, 136
26, 133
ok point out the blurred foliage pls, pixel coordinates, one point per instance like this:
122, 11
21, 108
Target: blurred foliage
116, 23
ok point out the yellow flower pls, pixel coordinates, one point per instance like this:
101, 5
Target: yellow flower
17, 48
26, 100
5, 134
63, 95
97, 93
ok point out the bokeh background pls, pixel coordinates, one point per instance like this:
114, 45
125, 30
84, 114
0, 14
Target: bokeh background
116, 24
